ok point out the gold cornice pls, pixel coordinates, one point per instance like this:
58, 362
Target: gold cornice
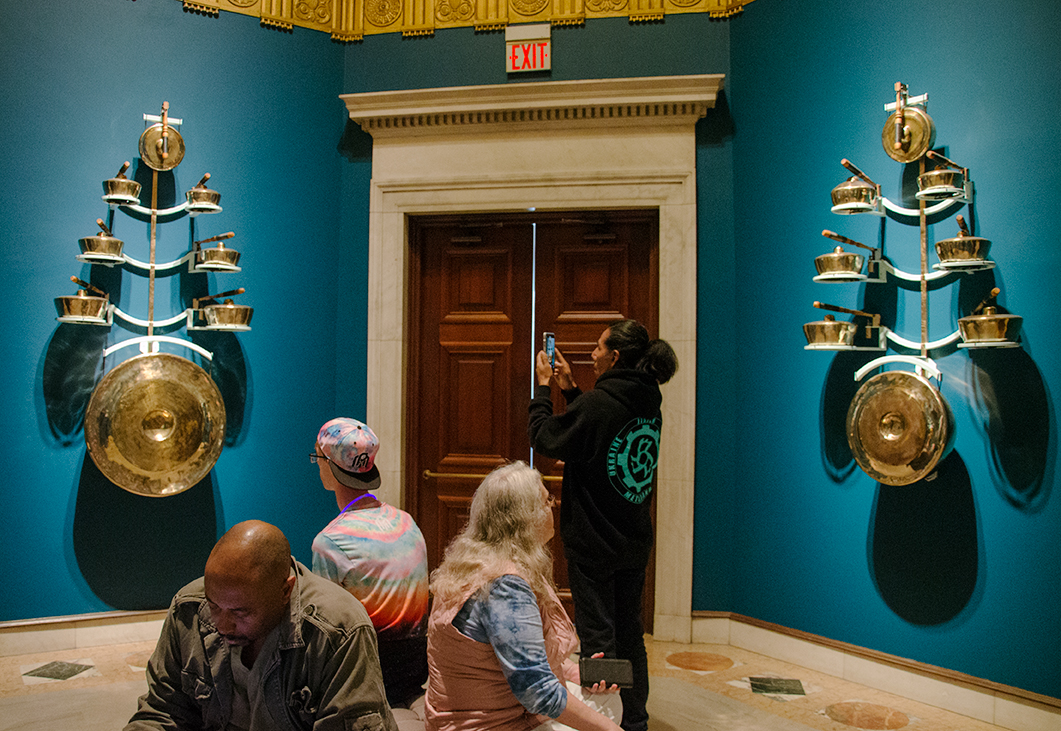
352, 20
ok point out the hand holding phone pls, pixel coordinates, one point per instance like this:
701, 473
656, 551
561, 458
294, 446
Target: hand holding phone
612, 671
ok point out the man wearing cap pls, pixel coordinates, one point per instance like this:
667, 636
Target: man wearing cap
377, 553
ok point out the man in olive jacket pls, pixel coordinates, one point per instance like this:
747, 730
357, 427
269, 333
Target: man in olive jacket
259, 643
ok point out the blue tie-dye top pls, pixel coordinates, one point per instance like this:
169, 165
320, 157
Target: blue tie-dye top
507, 617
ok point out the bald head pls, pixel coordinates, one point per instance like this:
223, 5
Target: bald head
248, 582
251, 547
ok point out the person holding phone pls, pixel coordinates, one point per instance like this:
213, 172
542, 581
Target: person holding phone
499, 640
608, 438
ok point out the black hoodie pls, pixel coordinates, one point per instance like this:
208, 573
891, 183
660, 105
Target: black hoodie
609, 441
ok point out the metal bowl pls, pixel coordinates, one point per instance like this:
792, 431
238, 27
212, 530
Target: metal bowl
203, 199
839, 262
82, 308
854, 195
227, 316
101, 247
990, 326
963, 248
121, 190
940, 184
218, 258
830, 332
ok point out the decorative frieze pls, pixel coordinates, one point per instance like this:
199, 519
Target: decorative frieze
351, 20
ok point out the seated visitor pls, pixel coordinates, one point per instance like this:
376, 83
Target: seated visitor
498, 638
261, 644
377, 553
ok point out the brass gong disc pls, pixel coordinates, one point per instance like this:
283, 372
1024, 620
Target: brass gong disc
898, 426
155, 424
151, 147
918, 137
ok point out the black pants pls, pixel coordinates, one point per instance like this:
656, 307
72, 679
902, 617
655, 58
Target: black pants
404, 666
608, 620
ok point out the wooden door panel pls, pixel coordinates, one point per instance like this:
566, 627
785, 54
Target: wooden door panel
476, 281
453, 514
594, 283
599, 270
474, 387
470, 354
465, 405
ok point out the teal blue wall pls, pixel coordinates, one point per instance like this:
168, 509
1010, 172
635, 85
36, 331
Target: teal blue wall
957, 573
261, 115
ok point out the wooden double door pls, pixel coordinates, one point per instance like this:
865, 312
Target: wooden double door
483, 289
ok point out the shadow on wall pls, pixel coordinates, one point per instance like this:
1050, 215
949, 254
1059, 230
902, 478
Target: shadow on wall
72, 365
228, 370
924, 546
135, 552
1010, 396
355, 144
837, 393
717, 126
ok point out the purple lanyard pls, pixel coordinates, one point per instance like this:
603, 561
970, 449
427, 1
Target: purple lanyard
367, 494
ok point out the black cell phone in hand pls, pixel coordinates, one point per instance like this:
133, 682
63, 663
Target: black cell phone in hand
612, 671
549, 346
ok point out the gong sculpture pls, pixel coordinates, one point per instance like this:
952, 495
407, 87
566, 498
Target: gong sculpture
155, 423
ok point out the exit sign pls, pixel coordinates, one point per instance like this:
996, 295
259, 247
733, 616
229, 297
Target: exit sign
528, 48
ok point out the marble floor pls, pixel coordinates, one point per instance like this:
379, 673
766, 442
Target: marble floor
694, 688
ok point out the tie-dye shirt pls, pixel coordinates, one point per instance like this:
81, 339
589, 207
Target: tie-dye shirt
379, 556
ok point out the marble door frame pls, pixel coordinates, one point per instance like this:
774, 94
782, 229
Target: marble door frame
616, 143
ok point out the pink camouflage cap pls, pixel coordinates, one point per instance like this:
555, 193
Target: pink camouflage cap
350, 447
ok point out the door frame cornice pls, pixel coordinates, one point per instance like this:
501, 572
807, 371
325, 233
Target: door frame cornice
537, 107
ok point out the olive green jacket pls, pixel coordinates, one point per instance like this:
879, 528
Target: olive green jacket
323, 673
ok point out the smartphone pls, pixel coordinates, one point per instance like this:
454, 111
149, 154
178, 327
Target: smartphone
549, 346
611, 670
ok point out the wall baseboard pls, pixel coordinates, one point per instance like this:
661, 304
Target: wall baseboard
985, 700
48, 634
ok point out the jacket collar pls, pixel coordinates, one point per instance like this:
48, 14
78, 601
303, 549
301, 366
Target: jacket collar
291, 624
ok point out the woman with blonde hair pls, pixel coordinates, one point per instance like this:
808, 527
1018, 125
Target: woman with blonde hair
498, 638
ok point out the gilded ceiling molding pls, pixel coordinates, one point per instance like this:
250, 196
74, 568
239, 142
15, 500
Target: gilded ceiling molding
352, 20
646, 10
568, 12
485, 14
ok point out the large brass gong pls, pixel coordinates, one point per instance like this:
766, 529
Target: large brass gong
155, 424
899, 427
